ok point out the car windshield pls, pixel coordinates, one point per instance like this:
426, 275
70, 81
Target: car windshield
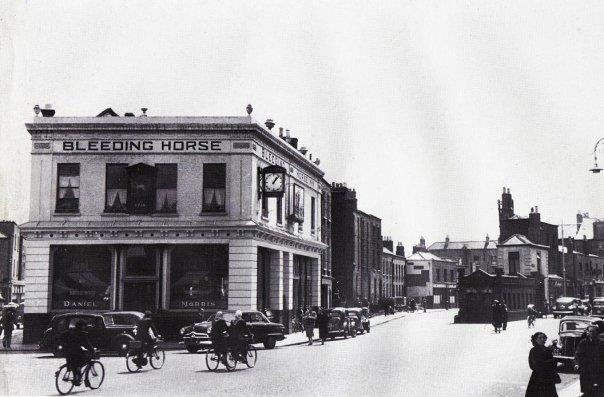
574, 325
69, 322
335, 314
565, 301
120, 318
228, 317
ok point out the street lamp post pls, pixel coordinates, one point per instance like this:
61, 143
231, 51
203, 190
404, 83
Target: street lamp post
596, 169
563, 249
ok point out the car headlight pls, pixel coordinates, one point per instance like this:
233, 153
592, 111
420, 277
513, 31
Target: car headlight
183, 330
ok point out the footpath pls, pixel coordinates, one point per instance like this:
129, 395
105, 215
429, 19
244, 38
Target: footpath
573, 390
293, 339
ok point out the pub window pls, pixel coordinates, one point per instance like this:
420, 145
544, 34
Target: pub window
514, 262
199, 276
280, 210
312, 214
214, 187
166, 184
68, 191
445, 275
81, 277
437, 275
116, 186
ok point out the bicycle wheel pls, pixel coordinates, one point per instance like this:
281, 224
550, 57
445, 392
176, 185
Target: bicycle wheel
252, 356
157, 358
95, 374
230, 361
64, 380
212, 360
130, 364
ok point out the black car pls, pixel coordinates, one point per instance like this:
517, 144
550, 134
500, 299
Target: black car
109, 332
196, 337
598, 307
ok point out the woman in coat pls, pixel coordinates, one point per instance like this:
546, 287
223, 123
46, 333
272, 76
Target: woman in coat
544, 377
588, 361
497, 314
322, 323
309, 325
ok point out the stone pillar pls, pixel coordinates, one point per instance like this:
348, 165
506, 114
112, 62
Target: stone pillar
37, 289
288, 280
243, 267
315, 281
275, 295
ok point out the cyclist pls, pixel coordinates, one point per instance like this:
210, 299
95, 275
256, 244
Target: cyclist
240, 335
78, 349
219, 333
142, 334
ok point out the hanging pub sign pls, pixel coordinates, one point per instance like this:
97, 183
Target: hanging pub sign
273, 181
296, 206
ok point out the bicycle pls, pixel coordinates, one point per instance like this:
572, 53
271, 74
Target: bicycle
155, 356
93, 373
230, 357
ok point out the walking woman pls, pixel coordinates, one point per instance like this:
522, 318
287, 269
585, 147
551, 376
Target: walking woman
309, 325
544, 377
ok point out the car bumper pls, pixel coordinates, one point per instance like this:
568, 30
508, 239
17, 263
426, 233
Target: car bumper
202, 341
563, 358
565, 312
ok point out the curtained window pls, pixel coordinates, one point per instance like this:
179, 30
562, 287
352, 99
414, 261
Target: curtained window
68, 191
116, 185
166, 184
214, 187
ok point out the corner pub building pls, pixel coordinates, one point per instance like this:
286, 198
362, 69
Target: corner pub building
168, 214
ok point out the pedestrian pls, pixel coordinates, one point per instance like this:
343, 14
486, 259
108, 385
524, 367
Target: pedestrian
309, 325
588, 361
412, 305
386, 308
322, 322
504, 315
8, 323
544, 376
497, 316
424, 304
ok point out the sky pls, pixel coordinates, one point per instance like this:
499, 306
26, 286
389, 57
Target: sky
427, 109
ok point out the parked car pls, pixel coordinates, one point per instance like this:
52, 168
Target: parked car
339, 323
361, 322
571, 330
567, 306
597, 308
196, 337
108, 332
585, 308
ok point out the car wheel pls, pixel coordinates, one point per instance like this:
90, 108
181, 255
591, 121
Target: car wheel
192, 349
269, 343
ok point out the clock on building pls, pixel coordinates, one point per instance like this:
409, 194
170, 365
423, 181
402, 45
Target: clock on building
273, 181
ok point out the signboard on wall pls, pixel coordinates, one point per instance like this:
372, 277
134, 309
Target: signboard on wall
117, 146
296, 198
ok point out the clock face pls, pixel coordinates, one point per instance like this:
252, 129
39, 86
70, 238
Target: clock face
273, 182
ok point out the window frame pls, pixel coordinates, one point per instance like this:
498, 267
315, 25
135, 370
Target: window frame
204, 209
58, 189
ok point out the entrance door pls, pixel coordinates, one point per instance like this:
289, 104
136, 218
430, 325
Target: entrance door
140, 296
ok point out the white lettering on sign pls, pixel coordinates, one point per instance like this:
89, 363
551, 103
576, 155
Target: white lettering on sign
304, 178
273, 158
141, 146
76, 304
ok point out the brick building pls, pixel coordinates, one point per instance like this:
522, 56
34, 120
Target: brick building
393, 271
432, 278
472, 255
356, 249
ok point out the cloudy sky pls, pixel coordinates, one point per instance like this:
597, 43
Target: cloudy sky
427, 109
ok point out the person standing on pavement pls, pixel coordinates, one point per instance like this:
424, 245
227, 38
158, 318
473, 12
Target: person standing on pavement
309, 325
588, 361
504, 315
497, 315
322, 321
544, 376
8, 323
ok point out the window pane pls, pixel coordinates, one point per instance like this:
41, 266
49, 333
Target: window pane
117, 188
141, 260
214, 200
141, 189
214, 175
68, 187
199, 276
165, 195
81, 277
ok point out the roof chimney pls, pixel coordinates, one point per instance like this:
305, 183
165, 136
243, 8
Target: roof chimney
286, 133
447, 241
281, 133
317, 161
144, 110
48, 111
303, 150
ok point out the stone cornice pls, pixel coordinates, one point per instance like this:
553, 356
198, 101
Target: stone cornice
162, 234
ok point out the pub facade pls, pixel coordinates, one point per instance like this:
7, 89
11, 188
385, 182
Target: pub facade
169, 214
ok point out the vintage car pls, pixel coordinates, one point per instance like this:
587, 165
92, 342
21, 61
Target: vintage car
197, 336
567, 306
597, 308
339, 323
361, 321
108, 332
571, 331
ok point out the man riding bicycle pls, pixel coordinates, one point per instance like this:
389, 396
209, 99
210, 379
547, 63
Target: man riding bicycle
142, 334
240, 335
77, 348
219, 334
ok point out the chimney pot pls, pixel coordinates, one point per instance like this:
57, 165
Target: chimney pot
504, 190
48, 111
286, 133
303, 150
144, 110
281, 132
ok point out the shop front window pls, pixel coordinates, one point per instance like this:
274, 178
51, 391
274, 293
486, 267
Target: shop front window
199, 276
141, 260
81, 277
